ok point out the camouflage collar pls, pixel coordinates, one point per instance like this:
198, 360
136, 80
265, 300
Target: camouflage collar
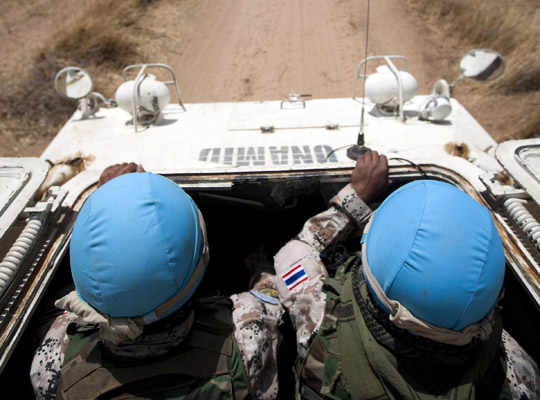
153, 344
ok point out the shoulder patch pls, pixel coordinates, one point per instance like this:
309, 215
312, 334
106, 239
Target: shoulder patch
264, 297
294, 276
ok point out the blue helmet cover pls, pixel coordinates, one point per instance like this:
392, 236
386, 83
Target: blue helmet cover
135, 244
437, 251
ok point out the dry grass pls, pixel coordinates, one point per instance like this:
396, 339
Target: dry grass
512, 29
105, 39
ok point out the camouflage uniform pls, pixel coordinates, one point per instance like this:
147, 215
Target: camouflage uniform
305, 299
256, 319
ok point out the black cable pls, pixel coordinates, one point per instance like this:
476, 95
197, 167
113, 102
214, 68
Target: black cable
411, 163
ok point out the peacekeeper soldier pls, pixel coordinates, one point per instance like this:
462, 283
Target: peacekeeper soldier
133, 327
414, 315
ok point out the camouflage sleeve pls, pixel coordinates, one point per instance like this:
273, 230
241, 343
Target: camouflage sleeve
49, 357
257, 315
522, 372
300, 273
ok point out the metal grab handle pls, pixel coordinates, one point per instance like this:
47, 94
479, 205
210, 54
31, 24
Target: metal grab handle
365, 60
524, 219
295, 98
393, 69
20, 249
138, 80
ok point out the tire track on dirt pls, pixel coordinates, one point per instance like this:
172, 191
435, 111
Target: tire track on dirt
255, 49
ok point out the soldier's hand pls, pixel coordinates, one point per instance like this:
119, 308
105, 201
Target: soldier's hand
118, 169
369, 178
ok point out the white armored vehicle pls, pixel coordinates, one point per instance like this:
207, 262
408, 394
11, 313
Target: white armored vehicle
258, 170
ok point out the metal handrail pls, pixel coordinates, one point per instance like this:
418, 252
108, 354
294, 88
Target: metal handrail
138, 80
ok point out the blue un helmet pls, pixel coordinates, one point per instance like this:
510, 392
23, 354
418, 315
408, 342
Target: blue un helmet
138, 248
436, 251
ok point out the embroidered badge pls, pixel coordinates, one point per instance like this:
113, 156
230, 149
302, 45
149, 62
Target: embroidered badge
264, 297
270, 292
294, 277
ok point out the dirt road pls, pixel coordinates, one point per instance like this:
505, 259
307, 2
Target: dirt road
258, 49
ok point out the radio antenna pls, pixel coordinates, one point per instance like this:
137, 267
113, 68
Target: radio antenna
358, 150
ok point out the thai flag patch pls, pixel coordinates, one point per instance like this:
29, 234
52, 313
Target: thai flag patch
294, 276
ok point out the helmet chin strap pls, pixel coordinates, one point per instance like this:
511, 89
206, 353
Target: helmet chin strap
204, 258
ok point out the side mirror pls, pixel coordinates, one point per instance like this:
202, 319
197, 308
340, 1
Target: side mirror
73, 83
482, 65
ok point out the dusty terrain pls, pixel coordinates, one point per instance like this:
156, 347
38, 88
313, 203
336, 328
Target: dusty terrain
254, 50
242, 50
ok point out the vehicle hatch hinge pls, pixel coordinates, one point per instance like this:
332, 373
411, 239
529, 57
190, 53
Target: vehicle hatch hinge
516, 204
499, 189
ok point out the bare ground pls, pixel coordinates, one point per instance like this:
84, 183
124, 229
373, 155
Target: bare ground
255, 49
251, 50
